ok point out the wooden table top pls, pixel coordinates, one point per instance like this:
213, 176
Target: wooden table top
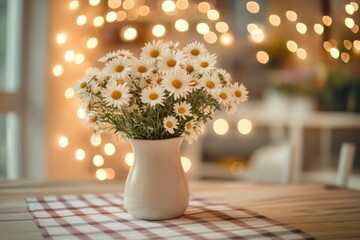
325, 212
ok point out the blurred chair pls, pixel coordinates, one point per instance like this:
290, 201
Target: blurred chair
271, 164
346, 159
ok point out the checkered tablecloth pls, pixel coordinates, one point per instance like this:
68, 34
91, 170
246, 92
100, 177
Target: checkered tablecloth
103, 216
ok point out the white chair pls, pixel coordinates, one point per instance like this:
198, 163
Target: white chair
346, 159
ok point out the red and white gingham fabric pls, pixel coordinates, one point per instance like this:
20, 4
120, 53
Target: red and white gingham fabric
103, 216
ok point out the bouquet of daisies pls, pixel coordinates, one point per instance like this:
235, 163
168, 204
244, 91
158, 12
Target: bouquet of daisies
167, 92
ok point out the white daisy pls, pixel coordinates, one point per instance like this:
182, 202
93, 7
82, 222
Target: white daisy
107, 57
116, 95
153, 50
224, 96
206, 63
120, 80
189, 126
190, 67
190, 136
231, 108
177, 83
142, 68
119, 65
153, 95
182, 109
170, 60
195, 83
224, 76
93, 120
172, 45
81, 85
124, 53
195, 49
239, 92
170, 124
211, 83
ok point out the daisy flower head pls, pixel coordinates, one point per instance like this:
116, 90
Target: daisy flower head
177, 83
171, 59
116, 95
224, 76
120, 80
109, 56
124, 53
119, 65
153, 95
170, 124
239, 92
142, 68
195, 82
231, 108
153, 50
206, 63
93, 120
224, 96
190, 67
211, 83
81, 84
195, 49
182, 109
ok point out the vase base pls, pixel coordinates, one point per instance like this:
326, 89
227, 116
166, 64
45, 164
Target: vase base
155, 215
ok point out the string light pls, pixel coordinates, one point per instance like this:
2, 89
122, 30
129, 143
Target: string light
355, 5
98, 160
111, 16
63, 141
58, 70
327, 20
345, 57
252, 7
301, 28
202, 28
226, 39
92, 43
204, 7
69, 93
244, 126
349, 9
79, 58
80, 154
61, 38
222, 27
81, 113
262, 57
95, 140
301, 53
258, 35
81, 20
347, 44
128, 4
327, 46
213, 14
69, 56
101, 174
121, 15
158, 30
114, 4
109, 149
168, 6
210, 37
220, 126
98, 21
129, 33
186, 163
356, 44
291, 46
182, 4
355, 28
94, 2
291, 16
274, 20
110, 173
318, 28
181, 25
251, 27
143, 10
74, 5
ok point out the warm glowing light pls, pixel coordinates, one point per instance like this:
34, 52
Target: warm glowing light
301, 53
143, 10
129, 33
252, 7
81, 113
349, 22
92, 43
121, 15
349, 9
69, 56
79, 58
95, 140
327, 46
220, 126
347, 44
129, 159
58, 70
69, 93
345, 57
186, 163
226, 39
257, 35
110, 173
98, 160
334, 52
109, 149
210, 37
132, 15
182, 4
61, 38
111, 16
262, 57
327, 20
274, 20
94, 2
222, 27
291, 16
244, 126
80, 154
355, 5
101, 174
318, 28
74, 5
355, 28
291, 45
251, 27
356, 44
81, 20
204, 7
63, 141
181, 25
301, 28
114, 4
98, 21
213, 14
158, 30
202, 28
128, 4
168, 6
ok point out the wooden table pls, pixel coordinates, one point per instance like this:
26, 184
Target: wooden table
325, 212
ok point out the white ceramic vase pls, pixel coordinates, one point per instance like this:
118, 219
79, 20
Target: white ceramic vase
156, 187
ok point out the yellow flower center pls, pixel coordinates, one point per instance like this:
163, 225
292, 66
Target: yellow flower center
116, 94
188, 125
169, 124
89, 106
171, 62
142, 69
83, 85
153, 96
223, 95
177, 83
94, 119
190, 68
107, 78
119, 68
159, 80
238, 93
195, 51
204, 64
210, 84
154, 53
181, 110
120, 82
148, 80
